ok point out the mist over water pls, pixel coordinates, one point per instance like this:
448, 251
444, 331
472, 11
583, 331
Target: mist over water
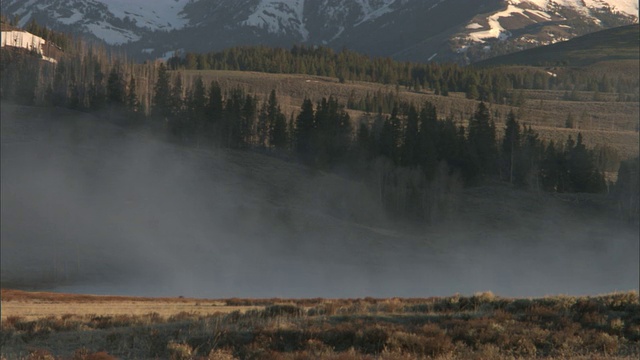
88, 207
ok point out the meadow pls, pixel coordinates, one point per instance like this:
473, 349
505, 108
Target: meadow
482, 326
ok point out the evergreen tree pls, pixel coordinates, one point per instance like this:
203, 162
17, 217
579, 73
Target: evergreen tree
97, 91
215, 105
529, 156
115, 88
304, 130
248, 120
569, 122
364, 141
277, 121
231, 128
389, 137
333, 132
482, 143
132, 98
177, 98
162, 101
263, 128
511, 145
582, 172
196, 110
428, 146
411, 145
627, 189
551, 168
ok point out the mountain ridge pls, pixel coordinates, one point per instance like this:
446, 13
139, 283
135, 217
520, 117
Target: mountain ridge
440, 30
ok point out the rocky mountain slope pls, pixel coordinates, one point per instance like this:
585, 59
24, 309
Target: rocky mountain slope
463, 30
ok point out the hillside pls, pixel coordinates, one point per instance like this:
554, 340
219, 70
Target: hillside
615, 44
601, 122
88, 207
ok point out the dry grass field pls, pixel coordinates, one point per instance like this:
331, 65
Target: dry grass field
39, 305
482, 326
604, 122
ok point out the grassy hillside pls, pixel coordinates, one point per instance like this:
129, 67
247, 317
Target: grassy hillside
620, 43
602, 122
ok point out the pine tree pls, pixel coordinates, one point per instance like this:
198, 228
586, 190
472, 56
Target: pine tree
511, 145
248, 120
626, 190
529, 156
263, 129
304, 130
198, 102
364, 141
569, 122
115, 88
231, 128
389, 137
428, 146
215, 100
582, 172
277, 121
279, 137
132, 98
411, 144
482, 142
196, 110
97, 92
177, 98
162, 95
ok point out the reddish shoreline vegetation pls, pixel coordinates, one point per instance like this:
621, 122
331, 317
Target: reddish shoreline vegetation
482, 326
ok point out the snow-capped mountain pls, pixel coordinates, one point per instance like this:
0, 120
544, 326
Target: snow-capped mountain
406, 29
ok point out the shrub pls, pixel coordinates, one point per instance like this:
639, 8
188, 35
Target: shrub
221, 354
40, 354
283, 310
602, 342
541, 314
84, 354
371, 340
11, 321
179, 351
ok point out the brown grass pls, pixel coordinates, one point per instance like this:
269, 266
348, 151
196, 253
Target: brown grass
18, 304
482, 326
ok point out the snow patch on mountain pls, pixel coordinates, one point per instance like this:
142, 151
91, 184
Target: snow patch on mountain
541, 10
153, 15
625, 6
371, 13
110, 34
495, 28
75, 17
629, 7
276, 16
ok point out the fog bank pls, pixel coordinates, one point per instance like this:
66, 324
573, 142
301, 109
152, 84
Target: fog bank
89, 207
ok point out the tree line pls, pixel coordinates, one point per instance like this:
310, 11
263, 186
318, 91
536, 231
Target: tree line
408, 150
494, 85
324, 135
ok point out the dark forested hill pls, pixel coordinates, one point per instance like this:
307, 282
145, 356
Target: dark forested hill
620, 43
